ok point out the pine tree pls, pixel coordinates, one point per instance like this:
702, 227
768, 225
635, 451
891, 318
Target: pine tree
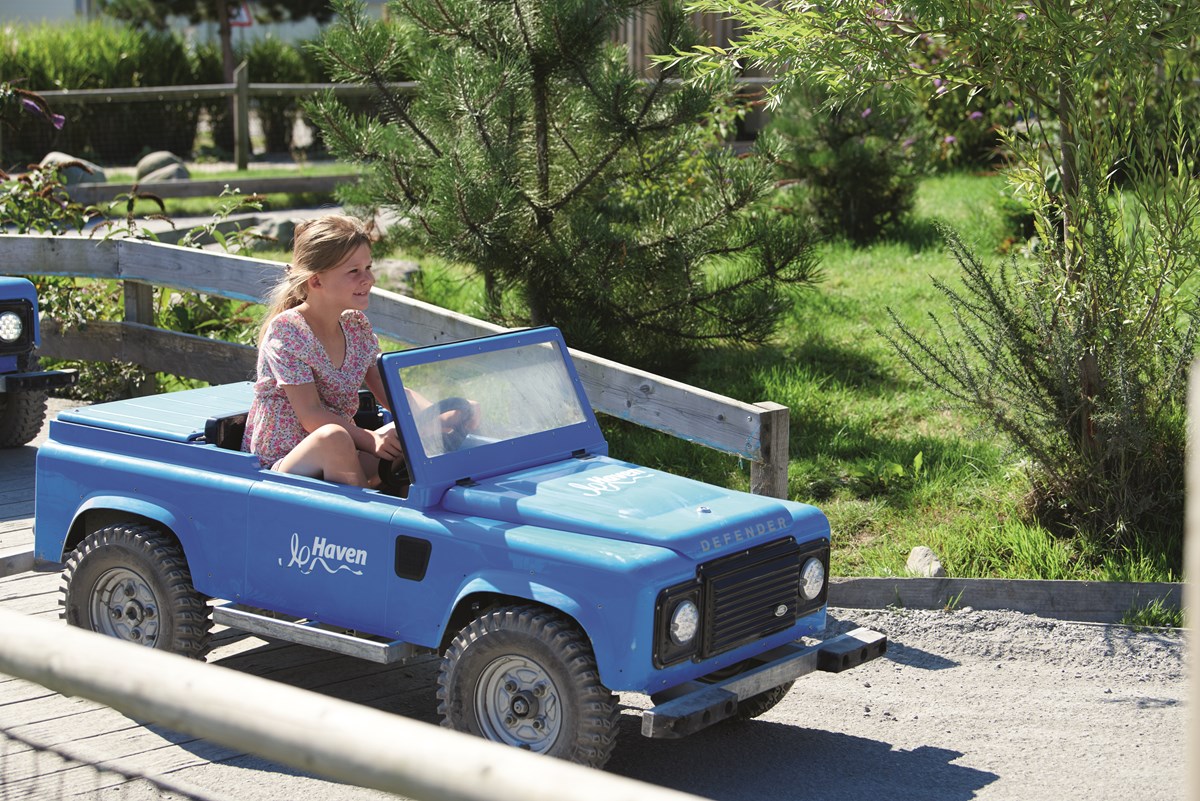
587, 196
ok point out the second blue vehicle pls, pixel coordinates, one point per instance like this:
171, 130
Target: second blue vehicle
547, 575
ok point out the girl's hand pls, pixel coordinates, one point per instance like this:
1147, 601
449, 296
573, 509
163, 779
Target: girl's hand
387, 444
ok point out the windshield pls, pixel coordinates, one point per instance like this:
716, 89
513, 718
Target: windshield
489, 397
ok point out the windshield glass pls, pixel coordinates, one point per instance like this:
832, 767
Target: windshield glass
482, 398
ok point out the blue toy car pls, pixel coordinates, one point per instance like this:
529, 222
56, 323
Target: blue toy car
23, 387
546, 573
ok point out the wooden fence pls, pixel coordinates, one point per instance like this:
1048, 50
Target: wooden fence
756, 432
241, 90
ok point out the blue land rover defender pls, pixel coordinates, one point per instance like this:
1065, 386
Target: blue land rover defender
546, 573
23, 387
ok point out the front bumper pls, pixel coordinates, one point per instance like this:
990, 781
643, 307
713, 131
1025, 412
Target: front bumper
35, 382
695, 705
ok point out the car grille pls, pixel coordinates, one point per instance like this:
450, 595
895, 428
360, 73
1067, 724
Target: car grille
750, 595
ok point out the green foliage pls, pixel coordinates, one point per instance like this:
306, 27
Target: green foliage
155, 13
1078, 354
856, 168
1155, 614
534, 153
99, 56
1107, 461
36, 202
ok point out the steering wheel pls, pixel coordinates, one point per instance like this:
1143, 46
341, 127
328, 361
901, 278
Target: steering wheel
393, 476
452, 437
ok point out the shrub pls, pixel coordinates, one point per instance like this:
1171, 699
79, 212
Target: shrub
858, 167
1086, 371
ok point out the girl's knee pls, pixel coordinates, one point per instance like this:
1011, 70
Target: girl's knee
333, 436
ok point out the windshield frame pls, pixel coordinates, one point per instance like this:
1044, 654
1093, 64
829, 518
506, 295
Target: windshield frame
492, 458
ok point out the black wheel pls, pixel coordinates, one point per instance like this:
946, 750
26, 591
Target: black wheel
526, 676
132, 582
21, 413
755, 705
760, 704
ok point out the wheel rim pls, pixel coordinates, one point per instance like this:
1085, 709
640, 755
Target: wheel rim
124, 606
518, 704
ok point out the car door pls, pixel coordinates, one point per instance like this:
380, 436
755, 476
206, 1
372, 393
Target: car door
320, 551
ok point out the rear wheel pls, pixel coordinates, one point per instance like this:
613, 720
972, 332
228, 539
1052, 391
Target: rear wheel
132, 582
526, 676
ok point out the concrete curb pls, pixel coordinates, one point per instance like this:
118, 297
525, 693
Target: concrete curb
1082, 601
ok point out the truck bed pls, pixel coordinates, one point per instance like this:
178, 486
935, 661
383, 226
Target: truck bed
174, 416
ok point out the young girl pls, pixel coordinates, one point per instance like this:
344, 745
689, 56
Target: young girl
316, 349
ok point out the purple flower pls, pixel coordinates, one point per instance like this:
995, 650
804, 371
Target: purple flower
975, 116
37, 110
1022, 16
866, 113
950, 139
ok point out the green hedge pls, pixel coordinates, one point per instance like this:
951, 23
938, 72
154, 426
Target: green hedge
99, 56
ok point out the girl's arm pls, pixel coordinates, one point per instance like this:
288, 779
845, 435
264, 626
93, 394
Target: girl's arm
306, 402
374, 383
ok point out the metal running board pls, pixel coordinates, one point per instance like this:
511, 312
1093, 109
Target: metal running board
304, 632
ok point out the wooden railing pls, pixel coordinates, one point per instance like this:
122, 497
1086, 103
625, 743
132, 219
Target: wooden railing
337, 739
756, 432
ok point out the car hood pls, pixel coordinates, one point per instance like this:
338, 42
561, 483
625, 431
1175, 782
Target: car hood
609, 498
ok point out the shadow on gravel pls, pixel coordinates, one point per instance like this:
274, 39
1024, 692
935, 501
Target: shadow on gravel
897, 652
766, 760
909, 656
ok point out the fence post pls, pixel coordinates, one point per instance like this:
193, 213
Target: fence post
139, 308
241, 112
770, 476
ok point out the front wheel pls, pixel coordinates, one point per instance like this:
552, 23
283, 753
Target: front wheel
526, 676
132, 582
760, 704
21, 413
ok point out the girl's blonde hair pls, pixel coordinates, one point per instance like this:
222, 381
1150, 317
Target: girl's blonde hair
318, 245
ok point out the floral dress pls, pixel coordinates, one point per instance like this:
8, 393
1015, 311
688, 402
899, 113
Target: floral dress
291, 354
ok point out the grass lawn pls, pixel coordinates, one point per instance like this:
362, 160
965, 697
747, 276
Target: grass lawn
879, 452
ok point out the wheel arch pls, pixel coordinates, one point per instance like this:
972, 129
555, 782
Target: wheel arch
480, 597
98, 512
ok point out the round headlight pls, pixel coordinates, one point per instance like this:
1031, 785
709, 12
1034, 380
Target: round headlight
812, 578
685, 622
11, 327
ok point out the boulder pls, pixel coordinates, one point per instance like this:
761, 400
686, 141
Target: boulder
152, 162
922, 561
168, 172
76, 173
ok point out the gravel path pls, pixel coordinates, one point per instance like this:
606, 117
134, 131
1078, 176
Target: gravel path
966, 705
